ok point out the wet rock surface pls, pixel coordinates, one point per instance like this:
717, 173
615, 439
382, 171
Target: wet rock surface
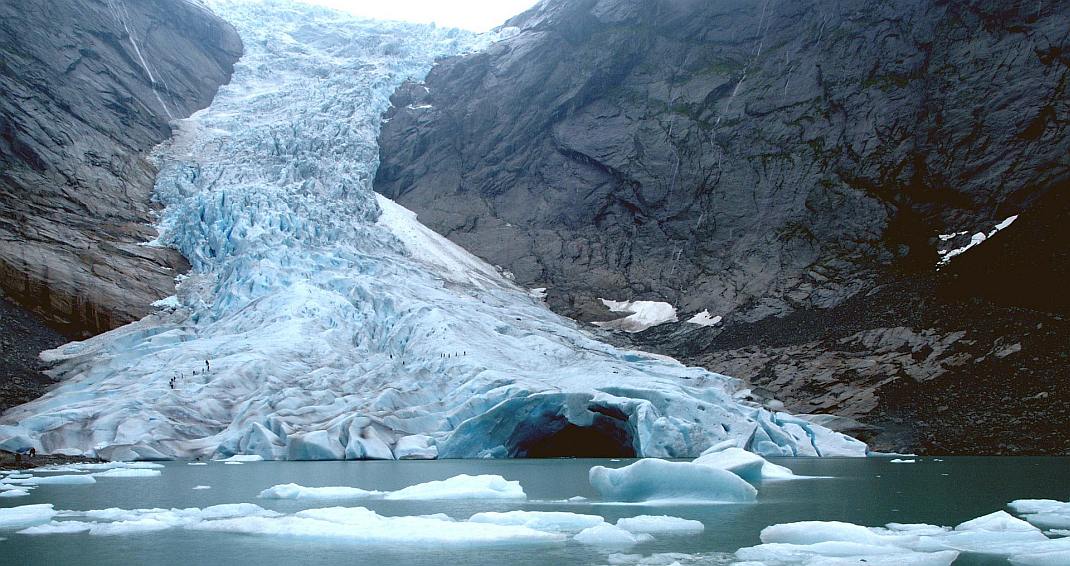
22, 337
89, 88
797, 167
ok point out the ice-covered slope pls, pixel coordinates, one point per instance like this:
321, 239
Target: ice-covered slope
334, 323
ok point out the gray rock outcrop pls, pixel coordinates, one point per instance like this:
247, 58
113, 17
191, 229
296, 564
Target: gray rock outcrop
87, 89
791, 166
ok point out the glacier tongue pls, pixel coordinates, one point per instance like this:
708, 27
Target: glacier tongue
333, 322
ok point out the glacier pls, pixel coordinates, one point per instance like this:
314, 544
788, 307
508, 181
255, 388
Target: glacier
322, 321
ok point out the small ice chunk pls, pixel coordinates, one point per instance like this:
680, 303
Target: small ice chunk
196, 463
26, 515
463, 487
556, 521
651, 479
606, 535
416, 447
202, 487
659, 524
901, 461
295, 491
14, 492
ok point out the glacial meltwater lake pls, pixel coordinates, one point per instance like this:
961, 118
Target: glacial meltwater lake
871, 491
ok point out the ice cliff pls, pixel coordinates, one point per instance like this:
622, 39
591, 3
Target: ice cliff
335, 324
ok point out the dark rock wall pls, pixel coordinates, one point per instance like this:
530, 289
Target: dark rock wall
787, 164
87, 89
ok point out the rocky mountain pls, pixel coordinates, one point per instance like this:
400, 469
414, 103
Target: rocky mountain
870, 195
87, 89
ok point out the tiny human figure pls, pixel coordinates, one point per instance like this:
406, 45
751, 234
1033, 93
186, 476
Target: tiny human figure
207, 366
33, 452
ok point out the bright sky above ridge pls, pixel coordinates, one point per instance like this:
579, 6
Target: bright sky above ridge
475, 15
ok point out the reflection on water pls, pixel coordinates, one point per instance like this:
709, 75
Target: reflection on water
863, 491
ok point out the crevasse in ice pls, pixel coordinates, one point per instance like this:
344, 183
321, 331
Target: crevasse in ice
335, 325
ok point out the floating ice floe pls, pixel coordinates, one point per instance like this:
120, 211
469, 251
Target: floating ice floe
66, 479
294, 491
200, 487
336, 325
26, 515
557, 521
902, 461
457, 487
1043, 513
660, 524
998, 535
15, 492
610, 536
462, 486
127, 473
651, 479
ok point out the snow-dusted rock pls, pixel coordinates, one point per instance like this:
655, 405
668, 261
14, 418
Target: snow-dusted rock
651, 479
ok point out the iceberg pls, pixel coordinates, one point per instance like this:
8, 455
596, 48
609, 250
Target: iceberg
336, 325
651, 479
747, 465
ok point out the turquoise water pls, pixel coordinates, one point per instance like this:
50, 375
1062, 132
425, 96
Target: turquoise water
865, 491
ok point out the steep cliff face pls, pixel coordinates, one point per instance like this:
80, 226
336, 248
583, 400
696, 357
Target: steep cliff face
799, 168
88, 89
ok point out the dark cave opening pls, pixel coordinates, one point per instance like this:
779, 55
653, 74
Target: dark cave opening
555, 437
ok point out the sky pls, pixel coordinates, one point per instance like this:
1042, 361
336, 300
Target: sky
475, 15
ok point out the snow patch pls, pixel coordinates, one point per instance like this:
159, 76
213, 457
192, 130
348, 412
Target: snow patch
641, 315
704, 319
